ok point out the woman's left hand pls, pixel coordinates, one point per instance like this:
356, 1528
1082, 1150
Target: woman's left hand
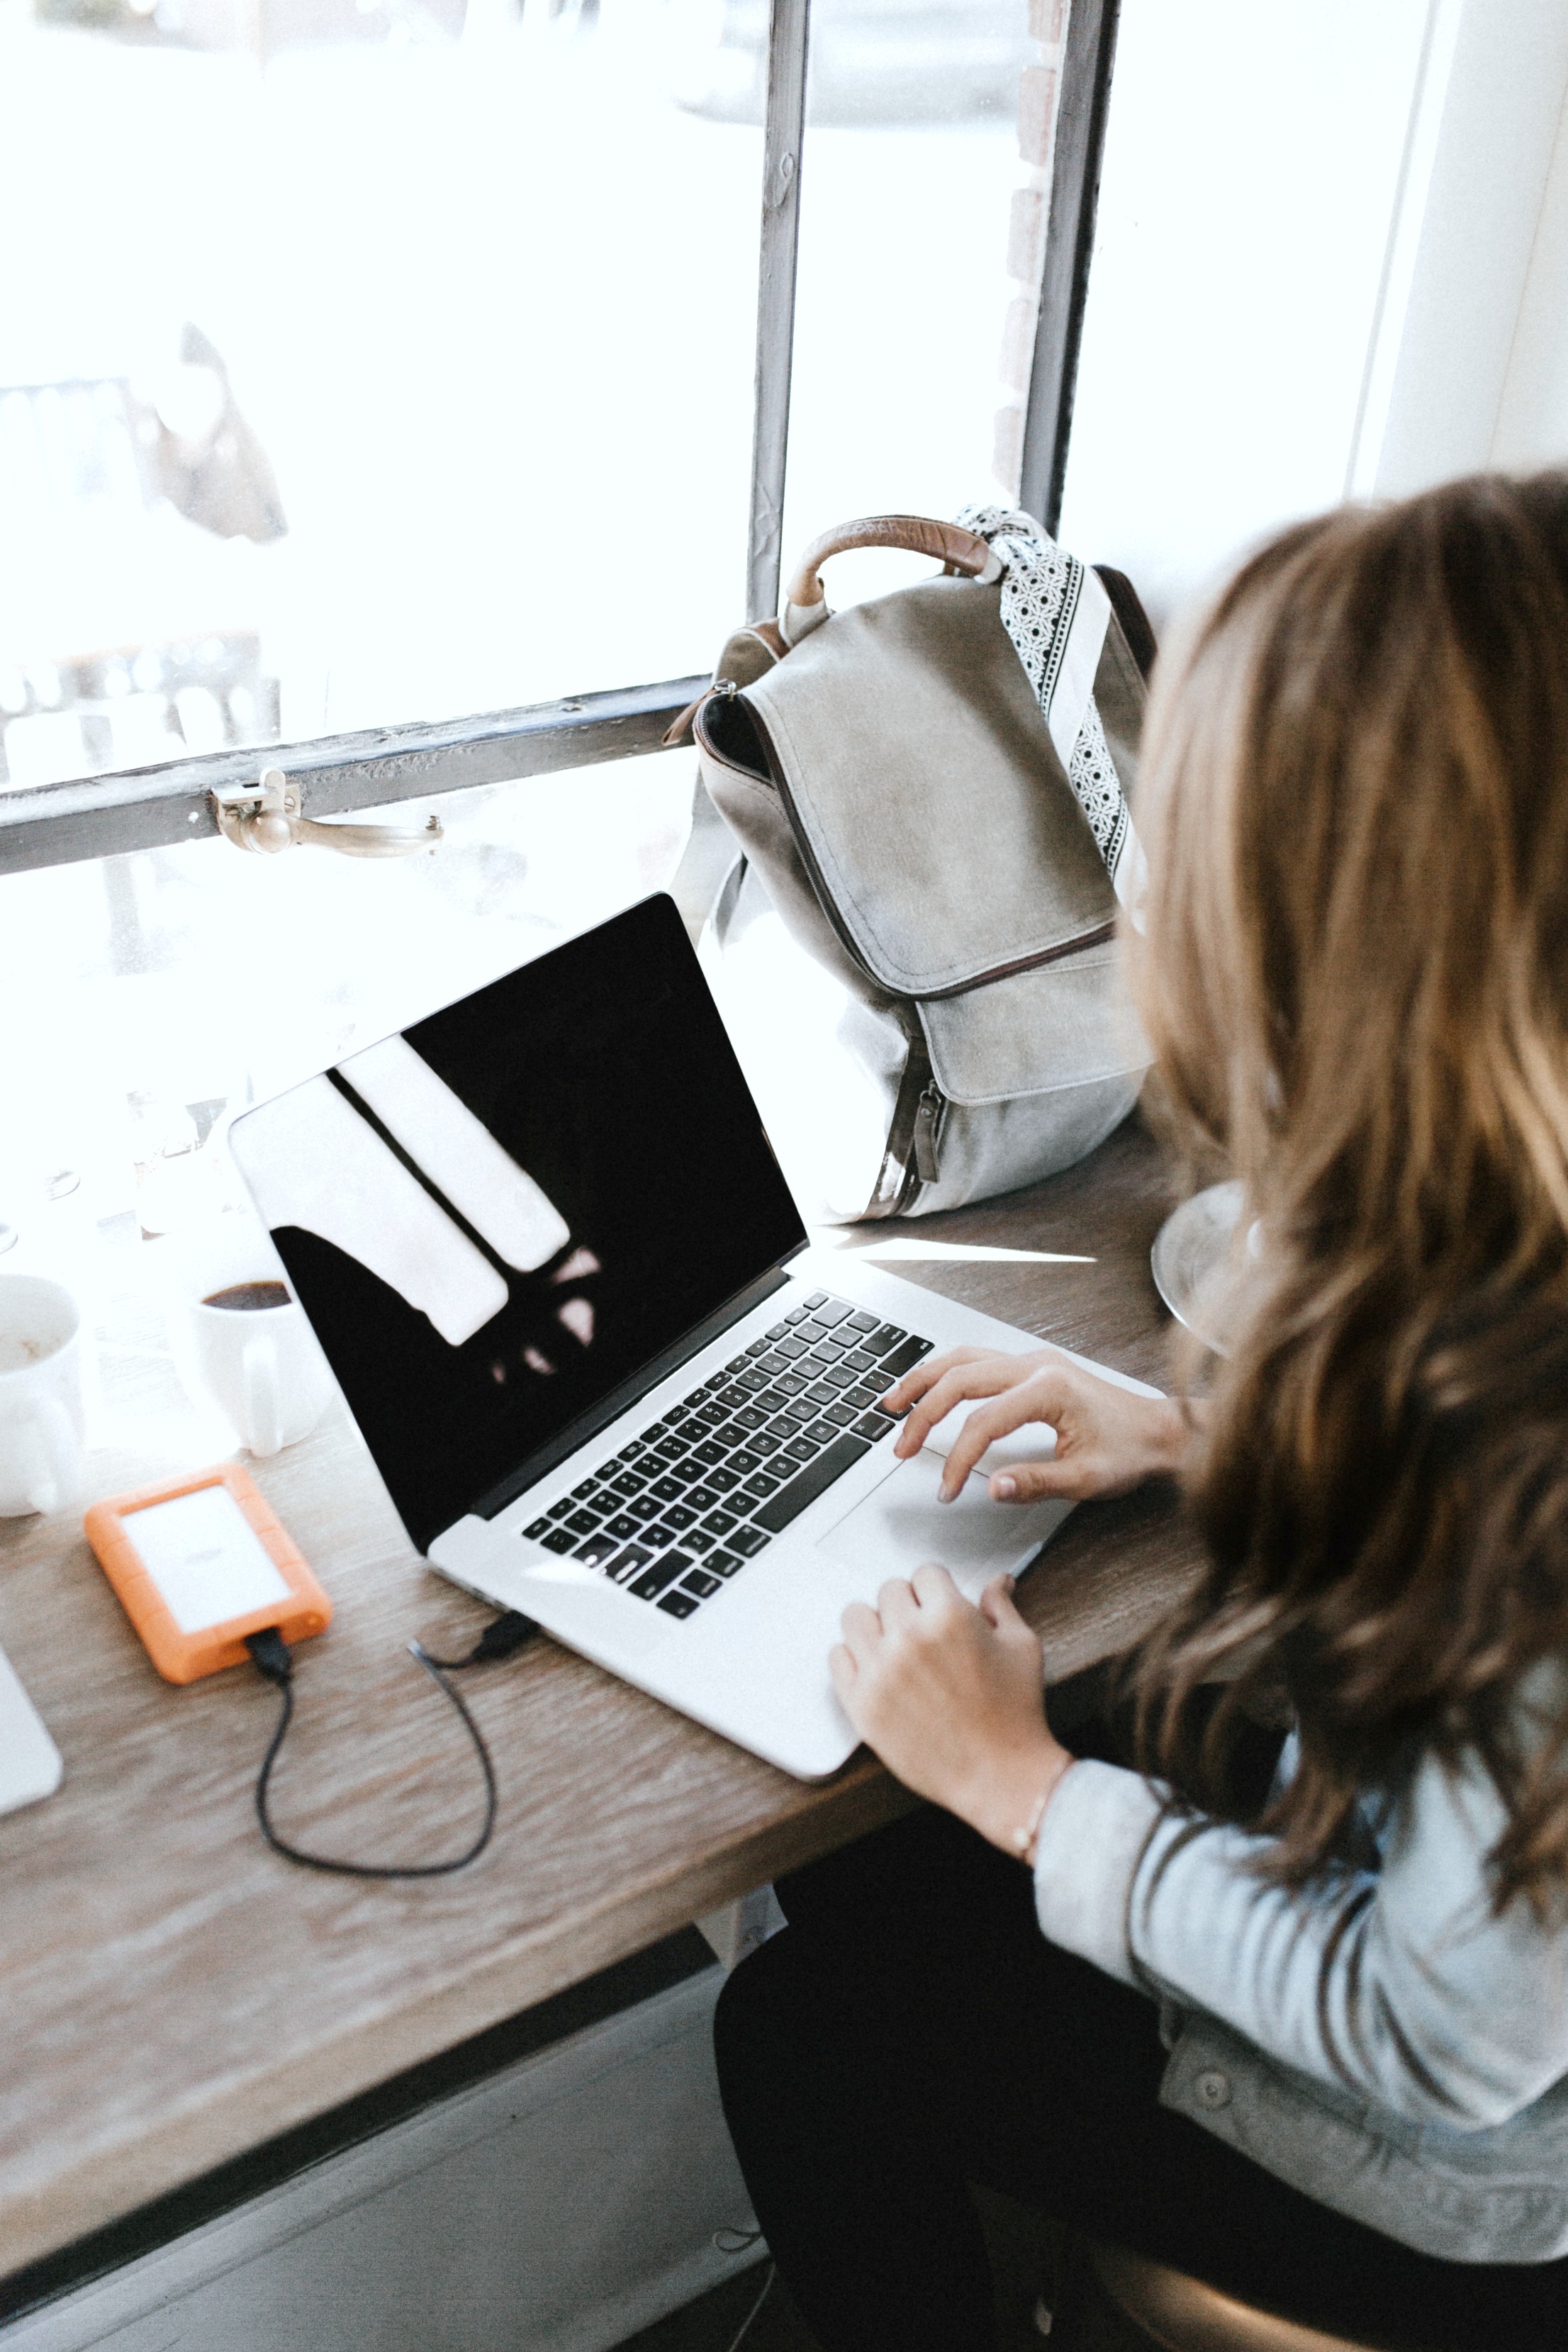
952, 1699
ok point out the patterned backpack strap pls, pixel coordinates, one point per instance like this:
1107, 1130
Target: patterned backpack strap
1055, 612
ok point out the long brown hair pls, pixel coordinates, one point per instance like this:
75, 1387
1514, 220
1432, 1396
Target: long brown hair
1355, 974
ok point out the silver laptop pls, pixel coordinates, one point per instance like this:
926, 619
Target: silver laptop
551, 1259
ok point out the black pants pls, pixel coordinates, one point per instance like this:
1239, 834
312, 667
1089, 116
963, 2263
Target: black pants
911, 2031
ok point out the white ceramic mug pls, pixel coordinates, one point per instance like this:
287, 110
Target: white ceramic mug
42, 1423
262, 1366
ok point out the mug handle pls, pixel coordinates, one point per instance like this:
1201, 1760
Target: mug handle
54, 1481
263, 1406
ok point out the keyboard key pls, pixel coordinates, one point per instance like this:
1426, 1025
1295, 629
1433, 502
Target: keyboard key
581, 1523
763, 1484
830, 1310
736, 1363
741, 1465
863, 1322
703, 1497
750, 1379
904, 1360
817, 1298
560, 1510
668, 1490
840, 1415
822, 1433
644, 1508
538, 1531
777, 1512
734, 1396
676, 1414
701, 1583
598, 1550
722, 1564
748, 1541
839, 1376
707, 1452
623, 1528
559, 1540
763, 1441
627, 1563
678, 1604
628, 1454
801, 1449
696, 1540
873, 1425
822, 1393
580, 1493
798, 1315
658, 1536
800, 1409
868, 1392
750, 1419
759, 1348
629, 1483
773, 1363
678, 1516
860, 1362
654, 1579
672, 1450
883, 1339
790, 1384
719, 1523
777, 1330
655, 1430
724, 1481
791, 1348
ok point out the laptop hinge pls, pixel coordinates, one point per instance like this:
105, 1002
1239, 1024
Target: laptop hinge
588, 1424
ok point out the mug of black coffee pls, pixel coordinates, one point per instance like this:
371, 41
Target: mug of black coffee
255, 1355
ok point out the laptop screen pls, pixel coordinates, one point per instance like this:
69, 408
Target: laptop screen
499, 1218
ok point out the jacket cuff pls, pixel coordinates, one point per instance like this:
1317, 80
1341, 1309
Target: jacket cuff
1091, 1841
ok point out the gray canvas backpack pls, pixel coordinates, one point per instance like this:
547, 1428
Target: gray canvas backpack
892, 777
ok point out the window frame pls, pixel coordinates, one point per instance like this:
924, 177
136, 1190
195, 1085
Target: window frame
156, 807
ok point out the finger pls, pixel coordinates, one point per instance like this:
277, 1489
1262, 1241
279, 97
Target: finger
935, 1590
1040, 1400
896, 1603
915, 1383
986, 1379
999, 1590
842, 1667
862, 1630
1033, 1482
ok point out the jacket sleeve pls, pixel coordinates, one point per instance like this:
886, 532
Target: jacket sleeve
1396, 1983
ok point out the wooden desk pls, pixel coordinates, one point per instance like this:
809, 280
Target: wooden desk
174, 1994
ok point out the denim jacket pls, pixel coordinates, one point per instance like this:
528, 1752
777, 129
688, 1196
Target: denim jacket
1418, 2082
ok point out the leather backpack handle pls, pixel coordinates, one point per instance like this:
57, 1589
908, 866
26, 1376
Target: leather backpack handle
947, 544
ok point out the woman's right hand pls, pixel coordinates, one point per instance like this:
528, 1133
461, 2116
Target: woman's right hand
1107, 1439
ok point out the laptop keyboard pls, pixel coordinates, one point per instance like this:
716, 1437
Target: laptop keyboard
698, 1493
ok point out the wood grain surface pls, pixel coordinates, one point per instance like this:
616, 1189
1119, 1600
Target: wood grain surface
175, 1993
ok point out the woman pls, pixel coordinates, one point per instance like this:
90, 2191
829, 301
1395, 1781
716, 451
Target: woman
1310, 2044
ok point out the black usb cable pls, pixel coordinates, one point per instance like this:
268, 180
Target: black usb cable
275, 1661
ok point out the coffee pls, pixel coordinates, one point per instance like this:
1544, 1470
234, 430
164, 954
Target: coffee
246, 1298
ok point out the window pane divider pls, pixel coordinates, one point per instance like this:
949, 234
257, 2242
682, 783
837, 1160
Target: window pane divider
148, 808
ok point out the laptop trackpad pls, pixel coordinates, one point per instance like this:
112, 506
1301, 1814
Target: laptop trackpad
900, 1524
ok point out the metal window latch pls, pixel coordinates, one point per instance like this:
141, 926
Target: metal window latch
267, 817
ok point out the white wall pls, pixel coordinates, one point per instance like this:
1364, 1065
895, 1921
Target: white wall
1328, 262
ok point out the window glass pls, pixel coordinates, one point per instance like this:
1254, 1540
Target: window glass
361, 360
909, 238
1252, 162
150, 994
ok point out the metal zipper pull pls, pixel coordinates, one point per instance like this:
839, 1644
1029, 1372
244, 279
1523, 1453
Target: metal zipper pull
928, 1124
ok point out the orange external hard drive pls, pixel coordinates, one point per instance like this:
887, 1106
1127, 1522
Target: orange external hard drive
199, 1564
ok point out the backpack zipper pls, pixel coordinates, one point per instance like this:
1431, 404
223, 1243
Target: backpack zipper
928, 1134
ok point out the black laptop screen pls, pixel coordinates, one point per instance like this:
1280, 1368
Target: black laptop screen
497, 1220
